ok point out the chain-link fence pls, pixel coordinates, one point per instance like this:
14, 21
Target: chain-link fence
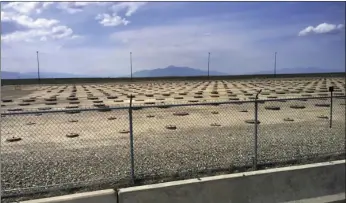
182, 141
59, 149
299, 129
63, 149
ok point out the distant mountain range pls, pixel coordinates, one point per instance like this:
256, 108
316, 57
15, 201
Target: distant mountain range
174, 71
302, 70
31, 75
162, 72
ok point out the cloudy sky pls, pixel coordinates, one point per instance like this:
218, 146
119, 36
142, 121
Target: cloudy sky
96, 38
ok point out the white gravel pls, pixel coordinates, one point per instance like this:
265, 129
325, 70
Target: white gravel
166, 154
45, 158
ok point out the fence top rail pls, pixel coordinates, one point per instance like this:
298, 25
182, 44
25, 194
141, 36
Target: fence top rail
31, 111
234, 102
126, 107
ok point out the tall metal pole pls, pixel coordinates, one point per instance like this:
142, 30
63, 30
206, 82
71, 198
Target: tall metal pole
38, 69
131, 143
331, 110
275, 64
331, 89
208, 63
131, 64
256, 132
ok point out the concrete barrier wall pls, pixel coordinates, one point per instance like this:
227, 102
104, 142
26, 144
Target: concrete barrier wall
321, 182
273, 185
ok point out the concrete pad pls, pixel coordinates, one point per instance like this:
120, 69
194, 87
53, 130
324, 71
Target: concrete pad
273, 185
101, 196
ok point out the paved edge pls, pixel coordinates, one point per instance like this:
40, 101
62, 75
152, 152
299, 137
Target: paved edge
86, 197
324, 199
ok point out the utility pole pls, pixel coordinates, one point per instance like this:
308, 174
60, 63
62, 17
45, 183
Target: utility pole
38, 69
208, 63
131, 64
275, 64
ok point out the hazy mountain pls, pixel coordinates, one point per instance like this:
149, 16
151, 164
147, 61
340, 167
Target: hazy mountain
9, 75
174, 71
31, 75
302, 70
161, 72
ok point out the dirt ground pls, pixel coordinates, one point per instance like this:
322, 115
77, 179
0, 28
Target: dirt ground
87, 96
208, 136
15, 92
34, 128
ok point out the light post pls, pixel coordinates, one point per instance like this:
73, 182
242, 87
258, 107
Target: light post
275, 64
208, 64
38, 69
131, 64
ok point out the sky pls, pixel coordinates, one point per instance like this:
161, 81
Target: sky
96, 38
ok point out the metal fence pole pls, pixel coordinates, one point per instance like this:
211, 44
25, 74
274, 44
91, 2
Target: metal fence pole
255, 140
131, 143
331, 109
256, 132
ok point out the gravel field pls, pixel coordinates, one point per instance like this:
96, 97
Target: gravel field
206, 137
155, 157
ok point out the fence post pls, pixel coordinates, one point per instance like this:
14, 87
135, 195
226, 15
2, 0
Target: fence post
131, 143
256, 134
331, 89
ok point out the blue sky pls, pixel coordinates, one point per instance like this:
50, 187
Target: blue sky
96, 38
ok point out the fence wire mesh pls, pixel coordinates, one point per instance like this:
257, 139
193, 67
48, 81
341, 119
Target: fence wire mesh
171, 141
300, 128
182, 141
63, 149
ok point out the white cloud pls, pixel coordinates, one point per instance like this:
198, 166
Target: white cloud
5, 16
27, 21
56, 32
61, 31
322, 28
115, 19
20, 12
47, 4
42, 29
130, 7
76, 7
108, 20
23, 7
69, 7
27, 8
44, 6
